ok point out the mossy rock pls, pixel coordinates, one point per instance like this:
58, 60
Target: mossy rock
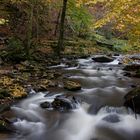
72, 85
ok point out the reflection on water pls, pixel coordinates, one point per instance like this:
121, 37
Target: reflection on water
101, 115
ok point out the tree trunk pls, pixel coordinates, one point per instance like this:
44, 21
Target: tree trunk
62, 24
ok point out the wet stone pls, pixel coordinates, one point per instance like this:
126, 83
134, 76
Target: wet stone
72, 85
64, 104
103, 59
61, 103
112, 118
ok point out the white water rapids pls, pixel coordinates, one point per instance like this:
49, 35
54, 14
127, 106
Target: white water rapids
101, 115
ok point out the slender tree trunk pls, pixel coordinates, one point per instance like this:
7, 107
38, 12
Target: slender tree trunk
62, 24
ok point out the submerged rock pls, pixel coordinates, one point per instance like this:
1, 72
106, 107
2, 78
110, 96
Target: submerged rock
112, 118
72, 85
132, 99
103, 59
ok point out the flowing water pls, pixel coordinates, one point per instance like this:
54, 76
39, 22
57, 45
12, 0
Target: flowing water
100, 115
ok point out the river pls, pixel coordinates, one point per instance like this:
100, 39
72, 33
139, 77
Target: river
100, 115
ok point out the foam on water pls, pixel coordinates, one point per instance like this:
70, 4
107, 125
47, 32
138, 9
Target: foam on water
82, 126
115, 62
62, 65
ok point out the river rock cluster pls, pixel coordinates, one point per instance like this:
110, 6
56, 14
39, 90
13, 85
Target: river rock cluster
61, 103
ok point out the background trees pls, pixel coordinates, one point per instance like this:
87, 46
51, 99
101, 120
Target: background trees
31, 21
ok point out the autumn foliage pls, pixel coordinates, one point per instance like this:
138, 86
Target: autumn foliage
34, 20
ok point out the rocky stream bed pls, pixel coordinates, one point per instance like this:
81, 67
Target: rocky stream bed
91, 98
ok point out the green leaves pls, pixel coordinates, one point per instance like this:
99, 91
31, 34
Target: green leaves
79, 18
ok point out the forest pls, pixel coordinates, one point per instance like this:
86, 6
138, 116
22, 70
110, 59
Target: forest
69, 69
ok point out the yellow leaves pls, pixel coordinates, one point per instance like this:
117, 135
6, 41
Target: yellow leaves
17, 91
124, 15
103, 21
6, 81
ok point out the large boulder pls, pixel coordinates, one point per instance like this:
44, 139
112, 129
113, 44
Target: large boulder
132, 99
72, 85
103, 59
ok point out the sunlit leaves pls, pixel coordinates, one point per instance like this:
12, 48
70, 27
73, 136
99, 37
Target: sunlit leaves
125, 14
